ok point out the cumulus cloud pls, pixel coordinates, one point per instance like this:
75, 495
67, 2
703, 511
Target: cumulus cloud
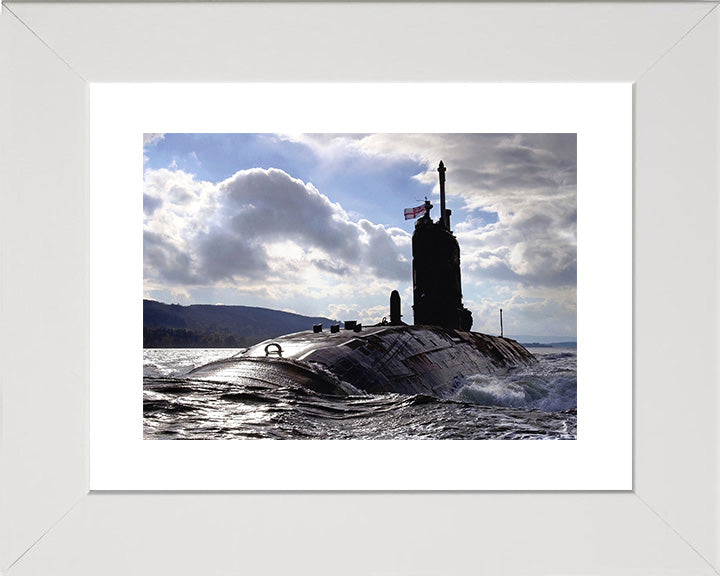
534, 245
265, 227
271, 206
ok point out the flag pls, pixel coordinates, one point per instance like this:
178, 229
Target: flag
411, 213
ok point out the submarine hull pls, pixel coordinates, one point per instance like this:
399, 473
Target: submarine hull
403, 359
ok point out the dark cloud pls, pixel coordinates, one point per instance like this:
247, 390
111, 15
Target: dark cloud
514, 155
224, 256
381, 255
506, 165
494, 270
338, 268
530, 181
163, 259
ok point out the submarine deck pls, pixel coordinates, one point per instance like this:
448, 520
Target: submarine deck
404, 359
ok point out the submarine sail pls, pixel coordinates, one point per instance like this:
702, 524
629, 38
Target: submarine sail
437, 289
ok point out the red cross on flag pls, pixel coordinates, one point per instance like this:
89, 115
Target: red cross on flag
411, 213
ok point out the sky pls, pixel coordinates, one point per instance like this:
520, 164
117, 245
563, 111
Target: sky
313, 223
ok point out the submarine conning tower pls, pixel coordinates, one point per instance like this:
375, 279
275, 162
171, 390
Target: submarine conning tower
437, 290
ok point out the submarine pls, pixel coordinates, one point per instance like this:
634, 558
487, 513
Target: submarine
429, 357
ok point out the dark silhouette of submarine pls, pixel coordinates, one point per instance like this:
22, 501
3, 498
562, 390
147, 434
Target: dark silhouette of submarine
426, 358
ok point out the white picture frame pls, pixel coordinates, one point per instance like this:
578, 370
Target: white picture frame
599, 459
668, 523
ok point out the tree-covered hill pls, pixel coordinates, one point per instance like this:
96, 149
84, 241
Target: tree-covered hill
208, 326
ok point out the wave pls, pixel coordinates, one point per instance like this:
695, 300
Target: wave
486, 408
529, 392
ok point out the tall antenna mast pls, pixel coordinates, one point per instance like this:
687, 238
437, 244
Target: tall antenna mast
443, 215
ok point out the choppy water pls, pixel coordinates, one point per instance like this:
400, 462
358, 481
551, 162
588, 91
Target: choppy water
536, 402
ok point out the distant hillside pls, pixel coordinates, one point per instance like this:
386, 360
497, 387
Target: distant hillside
207, 326
570, 344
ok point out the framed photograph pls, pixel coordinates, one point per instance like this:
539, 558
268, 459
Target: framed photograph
338, 243
73, 282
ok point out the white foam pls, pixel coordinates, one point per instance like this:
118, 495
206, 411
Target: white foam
550, 386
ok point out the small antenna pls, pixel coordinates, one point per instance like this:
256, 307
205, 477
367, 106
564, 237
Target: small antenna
501, 324
443, 218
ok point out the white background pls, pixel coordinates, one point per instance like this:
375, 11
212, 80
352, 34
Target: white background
601, 457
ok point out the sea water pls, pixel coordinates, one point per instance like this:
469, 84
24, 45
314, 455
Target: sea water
529, 402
